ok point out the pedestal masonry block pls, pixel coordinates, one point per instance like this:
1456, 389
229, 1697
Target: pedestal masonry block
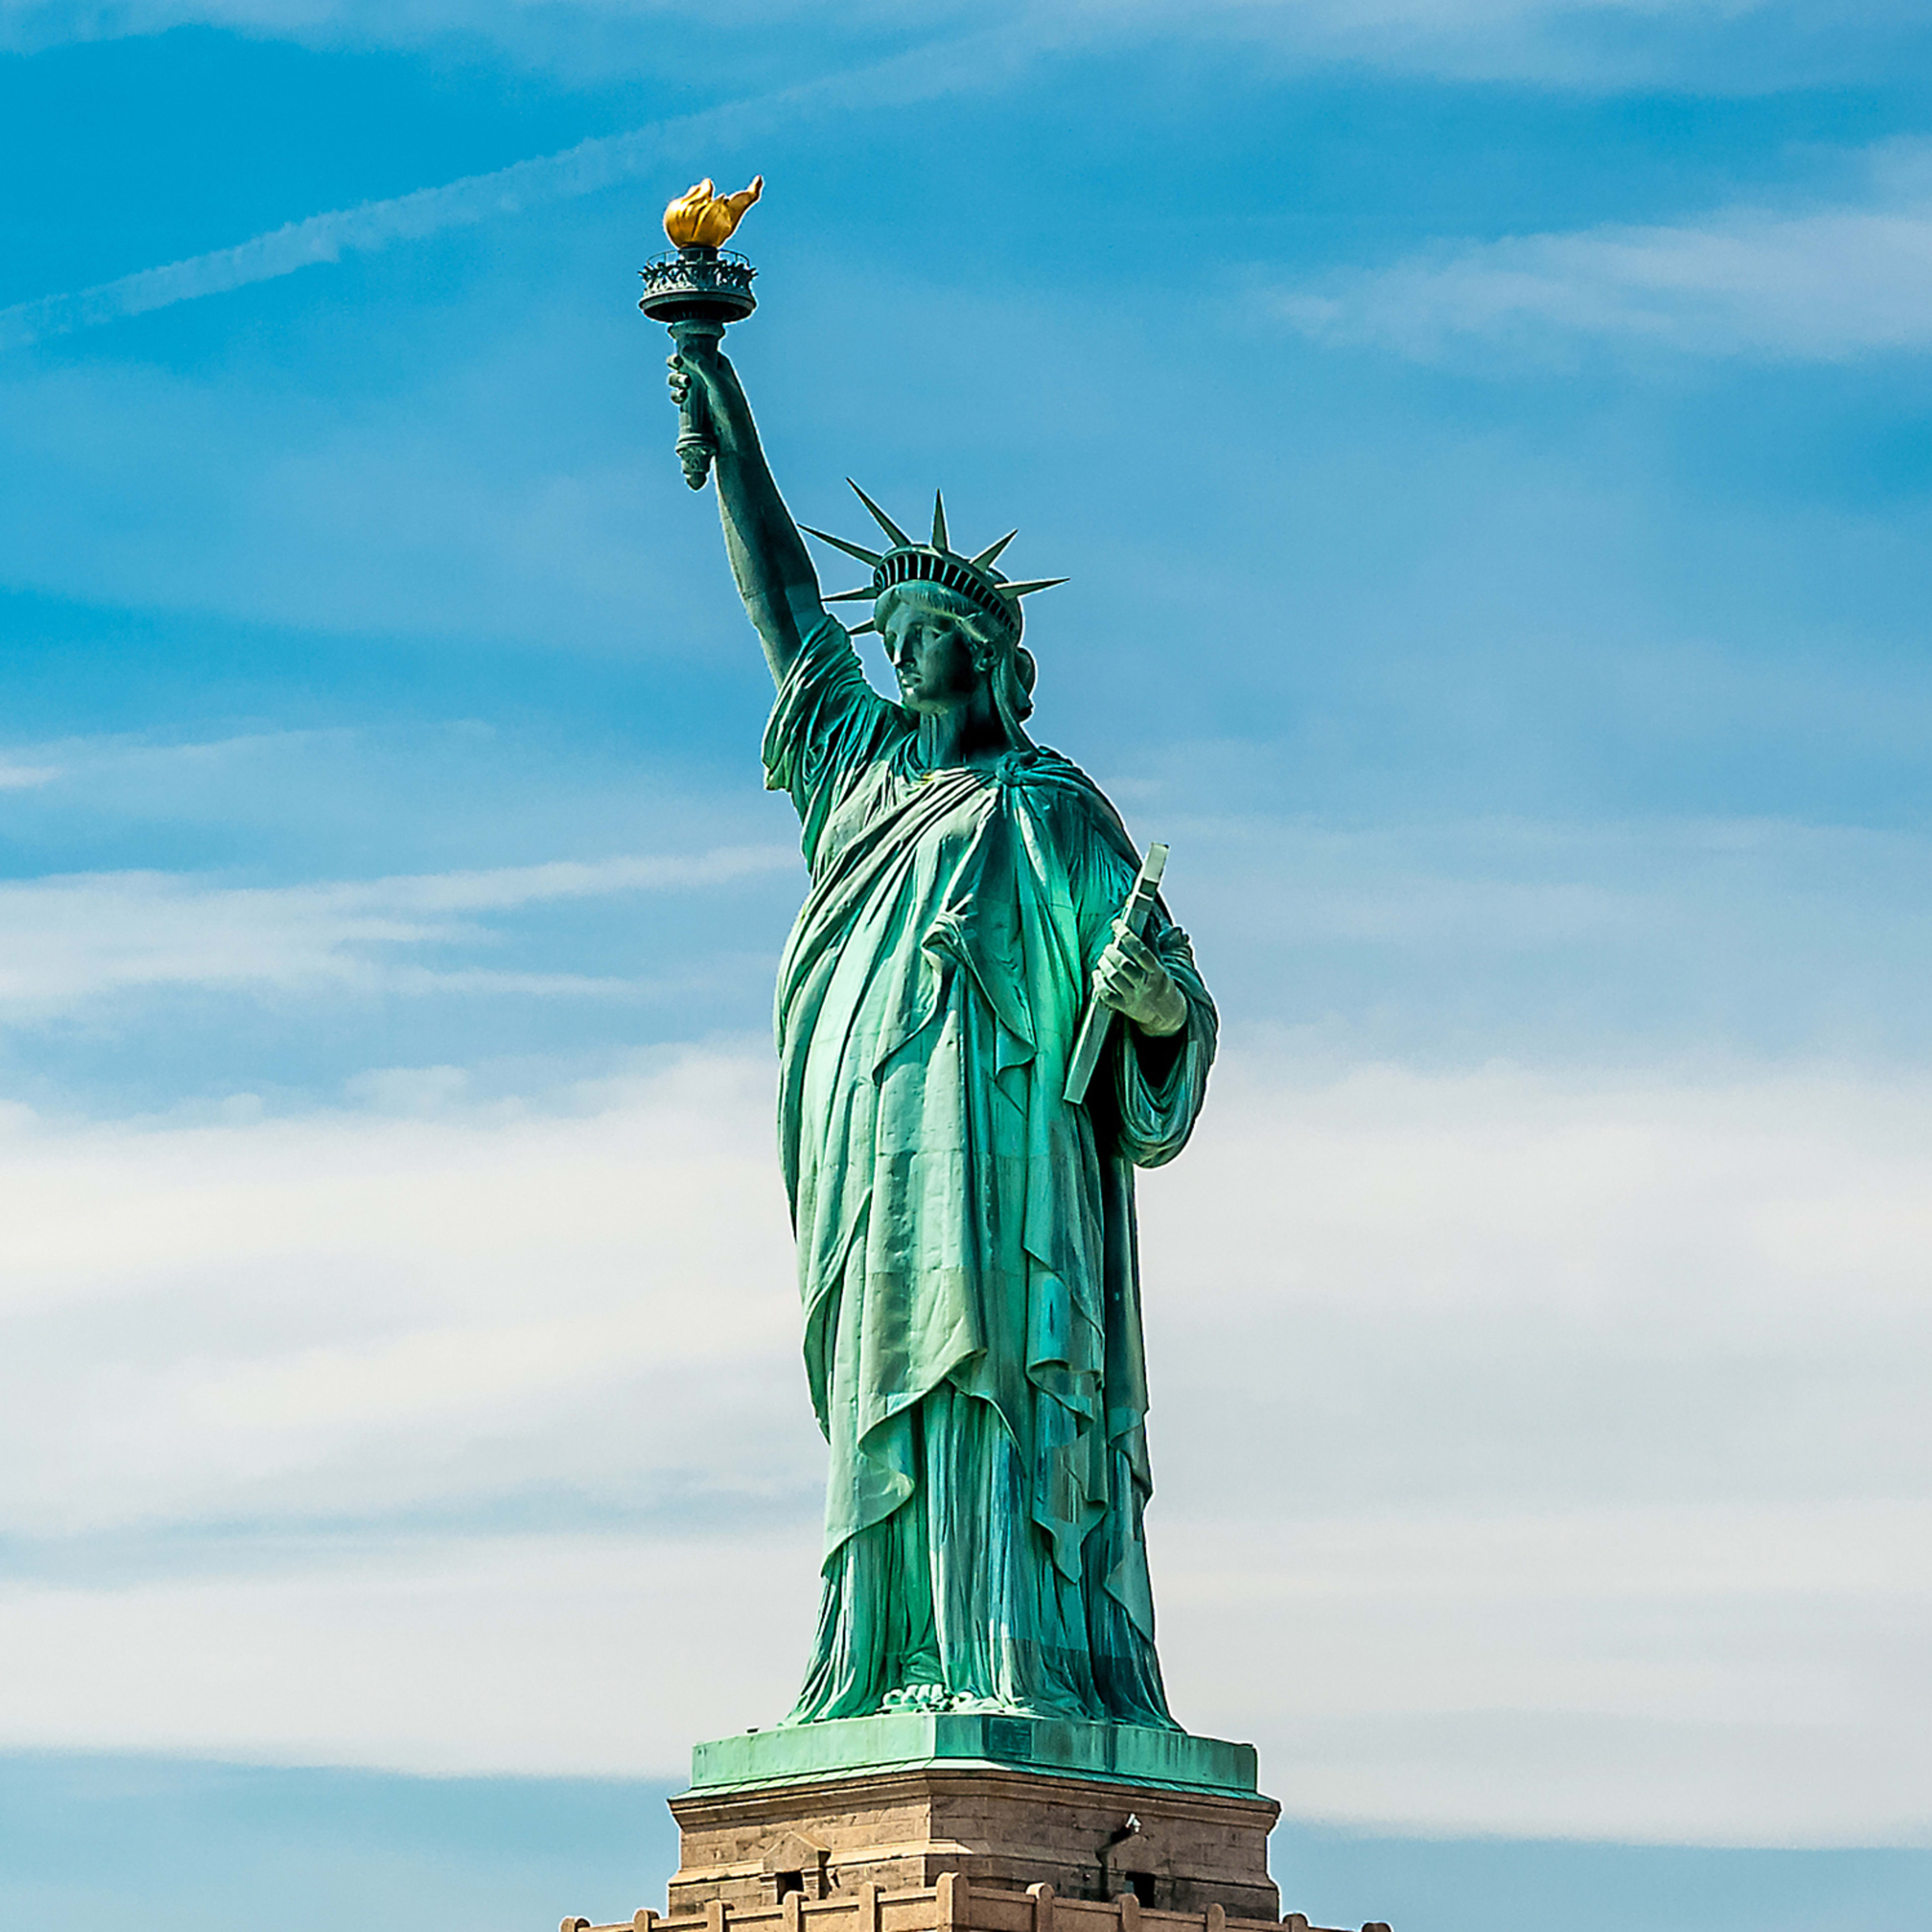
953, 1904
1091, 1811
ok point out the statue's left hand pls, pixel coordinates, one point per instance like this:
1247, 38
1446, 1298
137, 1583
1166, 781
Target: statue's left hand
1131, 980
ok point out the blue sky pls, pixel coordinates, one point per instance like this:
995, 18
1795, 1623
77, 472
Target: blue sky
1488, 443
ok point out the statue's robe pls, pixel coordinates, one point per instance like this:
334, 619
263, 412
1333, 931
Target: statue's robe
966, 1238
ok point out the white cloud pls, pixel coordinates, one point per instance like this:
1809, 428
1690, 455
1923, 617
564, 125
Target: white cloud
358, 1315
1810, 284
1535, 1454
574, 1655
1712, 1675
71, 940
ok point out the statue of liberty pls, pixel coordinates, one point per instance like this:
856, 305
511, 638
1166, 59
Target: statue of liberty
966, 1239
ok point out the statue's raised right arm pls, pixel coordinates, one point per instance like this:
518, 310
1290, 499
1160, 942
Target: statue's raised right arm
768, 556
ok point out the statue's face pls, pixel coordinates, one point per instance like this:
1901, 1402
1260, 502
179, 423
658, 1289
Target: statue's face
930, 649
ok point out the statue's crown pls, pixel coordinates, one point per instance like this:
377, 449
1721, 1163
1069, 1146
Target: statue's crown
938, 563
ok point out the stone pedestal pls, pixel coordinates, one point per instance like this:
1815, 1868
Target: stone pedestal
962, 1822
1174, 1851
1092, 1811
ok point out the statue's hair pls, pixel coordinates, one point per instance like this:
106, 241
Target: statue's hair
1008, 664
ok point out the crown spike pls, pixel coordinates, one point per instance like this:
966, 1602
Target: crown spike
851, 596
884, 522
858, 629
991, 553
871, 556
1016, 591
939, 522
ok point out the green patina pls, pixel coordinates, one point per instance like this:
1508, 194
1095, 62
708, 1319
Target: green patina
966, 1239
972, 1318
1131, 1753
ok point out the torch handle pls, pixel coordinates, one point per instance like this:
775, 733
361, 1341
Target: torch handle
695, 448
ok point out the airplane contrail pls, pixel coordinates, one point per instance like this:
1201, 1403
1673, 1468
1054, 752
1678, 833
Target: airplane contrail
599, 163
582, 169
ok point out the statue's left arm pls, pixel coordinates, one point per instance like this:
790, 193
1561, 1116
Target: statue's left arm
1163, 1041
1160, 1078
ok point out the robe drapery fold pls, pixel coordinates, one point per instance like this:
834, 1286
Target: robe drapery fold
966, 1241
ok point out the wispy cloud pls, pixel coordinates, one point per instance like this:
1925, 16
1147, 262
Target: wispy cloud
1590, 46
1809, 284
25, 778
72, 939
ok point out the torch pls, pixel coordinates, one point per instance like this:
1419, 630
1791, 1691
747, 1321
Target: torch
695, 292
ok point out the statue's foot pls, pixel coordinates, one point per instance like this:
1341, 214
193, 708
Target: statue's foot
918, 1697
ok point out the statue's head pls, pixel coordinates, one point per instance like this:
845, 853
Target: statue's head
951, 623
944, 648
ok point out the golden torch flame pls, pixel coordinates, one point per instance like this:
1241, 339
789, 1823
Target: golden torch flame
701, 217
